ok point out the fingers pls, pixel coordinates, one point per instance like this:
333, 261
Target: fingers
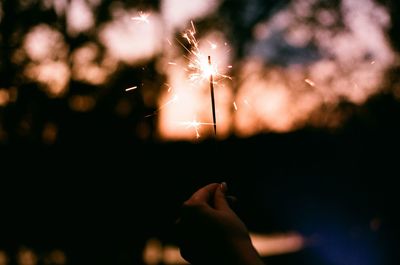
213, 195
220, 201
203, 195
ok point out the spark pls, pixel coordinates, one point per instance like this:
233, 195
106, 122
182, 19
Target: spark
213, 45
246, 102
130, 88
143, 17
169, 87
373, 62
169, 42
171, 63
308, 81
196, 125
174, 99
230, 66
198, 66
235, 106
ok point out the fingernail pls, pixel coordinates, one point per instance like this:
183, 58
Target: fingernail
224, 187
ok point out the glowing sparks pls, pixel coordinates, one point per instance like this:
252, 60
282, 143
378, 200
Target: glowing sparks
174, 99
197, 71
131, 88
199, 66
196, 125
213, 45
235, 106
143, 17
169, 88
311, 83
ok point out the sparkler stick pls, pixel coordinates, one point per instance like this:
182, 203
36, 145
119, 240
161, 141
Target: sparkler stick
212, 98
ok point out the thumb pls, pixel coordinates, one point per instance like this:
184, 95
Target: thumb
220, 202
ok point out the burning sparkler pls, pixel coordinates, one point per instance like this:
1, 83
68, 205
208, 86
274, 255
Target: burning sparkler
201, 68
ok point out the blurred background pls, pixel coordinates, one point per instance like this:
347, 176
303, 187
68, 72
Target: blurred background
106, 127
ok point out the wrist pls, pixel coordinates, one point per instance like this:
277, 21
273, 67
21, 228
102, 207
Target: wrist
244, 253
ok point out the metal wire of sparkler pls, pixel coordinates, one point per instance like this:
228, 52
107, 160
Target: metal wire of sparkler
212, 98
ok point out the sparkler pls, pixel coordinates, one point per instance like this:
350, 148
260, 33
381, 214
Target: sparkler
201, 68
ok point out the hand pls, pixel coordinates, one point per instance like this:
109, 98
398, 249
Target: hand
211, 233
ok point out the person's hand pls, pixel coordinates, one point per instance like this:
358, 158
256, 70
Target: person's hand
211, 233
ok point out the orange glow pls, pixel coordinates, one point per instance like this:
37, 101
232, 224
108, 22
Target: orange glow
79, 17
45, 43
54, 76
86, 69
308, 81
172, 255
26, 257
178, 13
49, 134
4, 97
153, 252
57, 257
46, 48
3, 258
82, 103
266, 245
269, 245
